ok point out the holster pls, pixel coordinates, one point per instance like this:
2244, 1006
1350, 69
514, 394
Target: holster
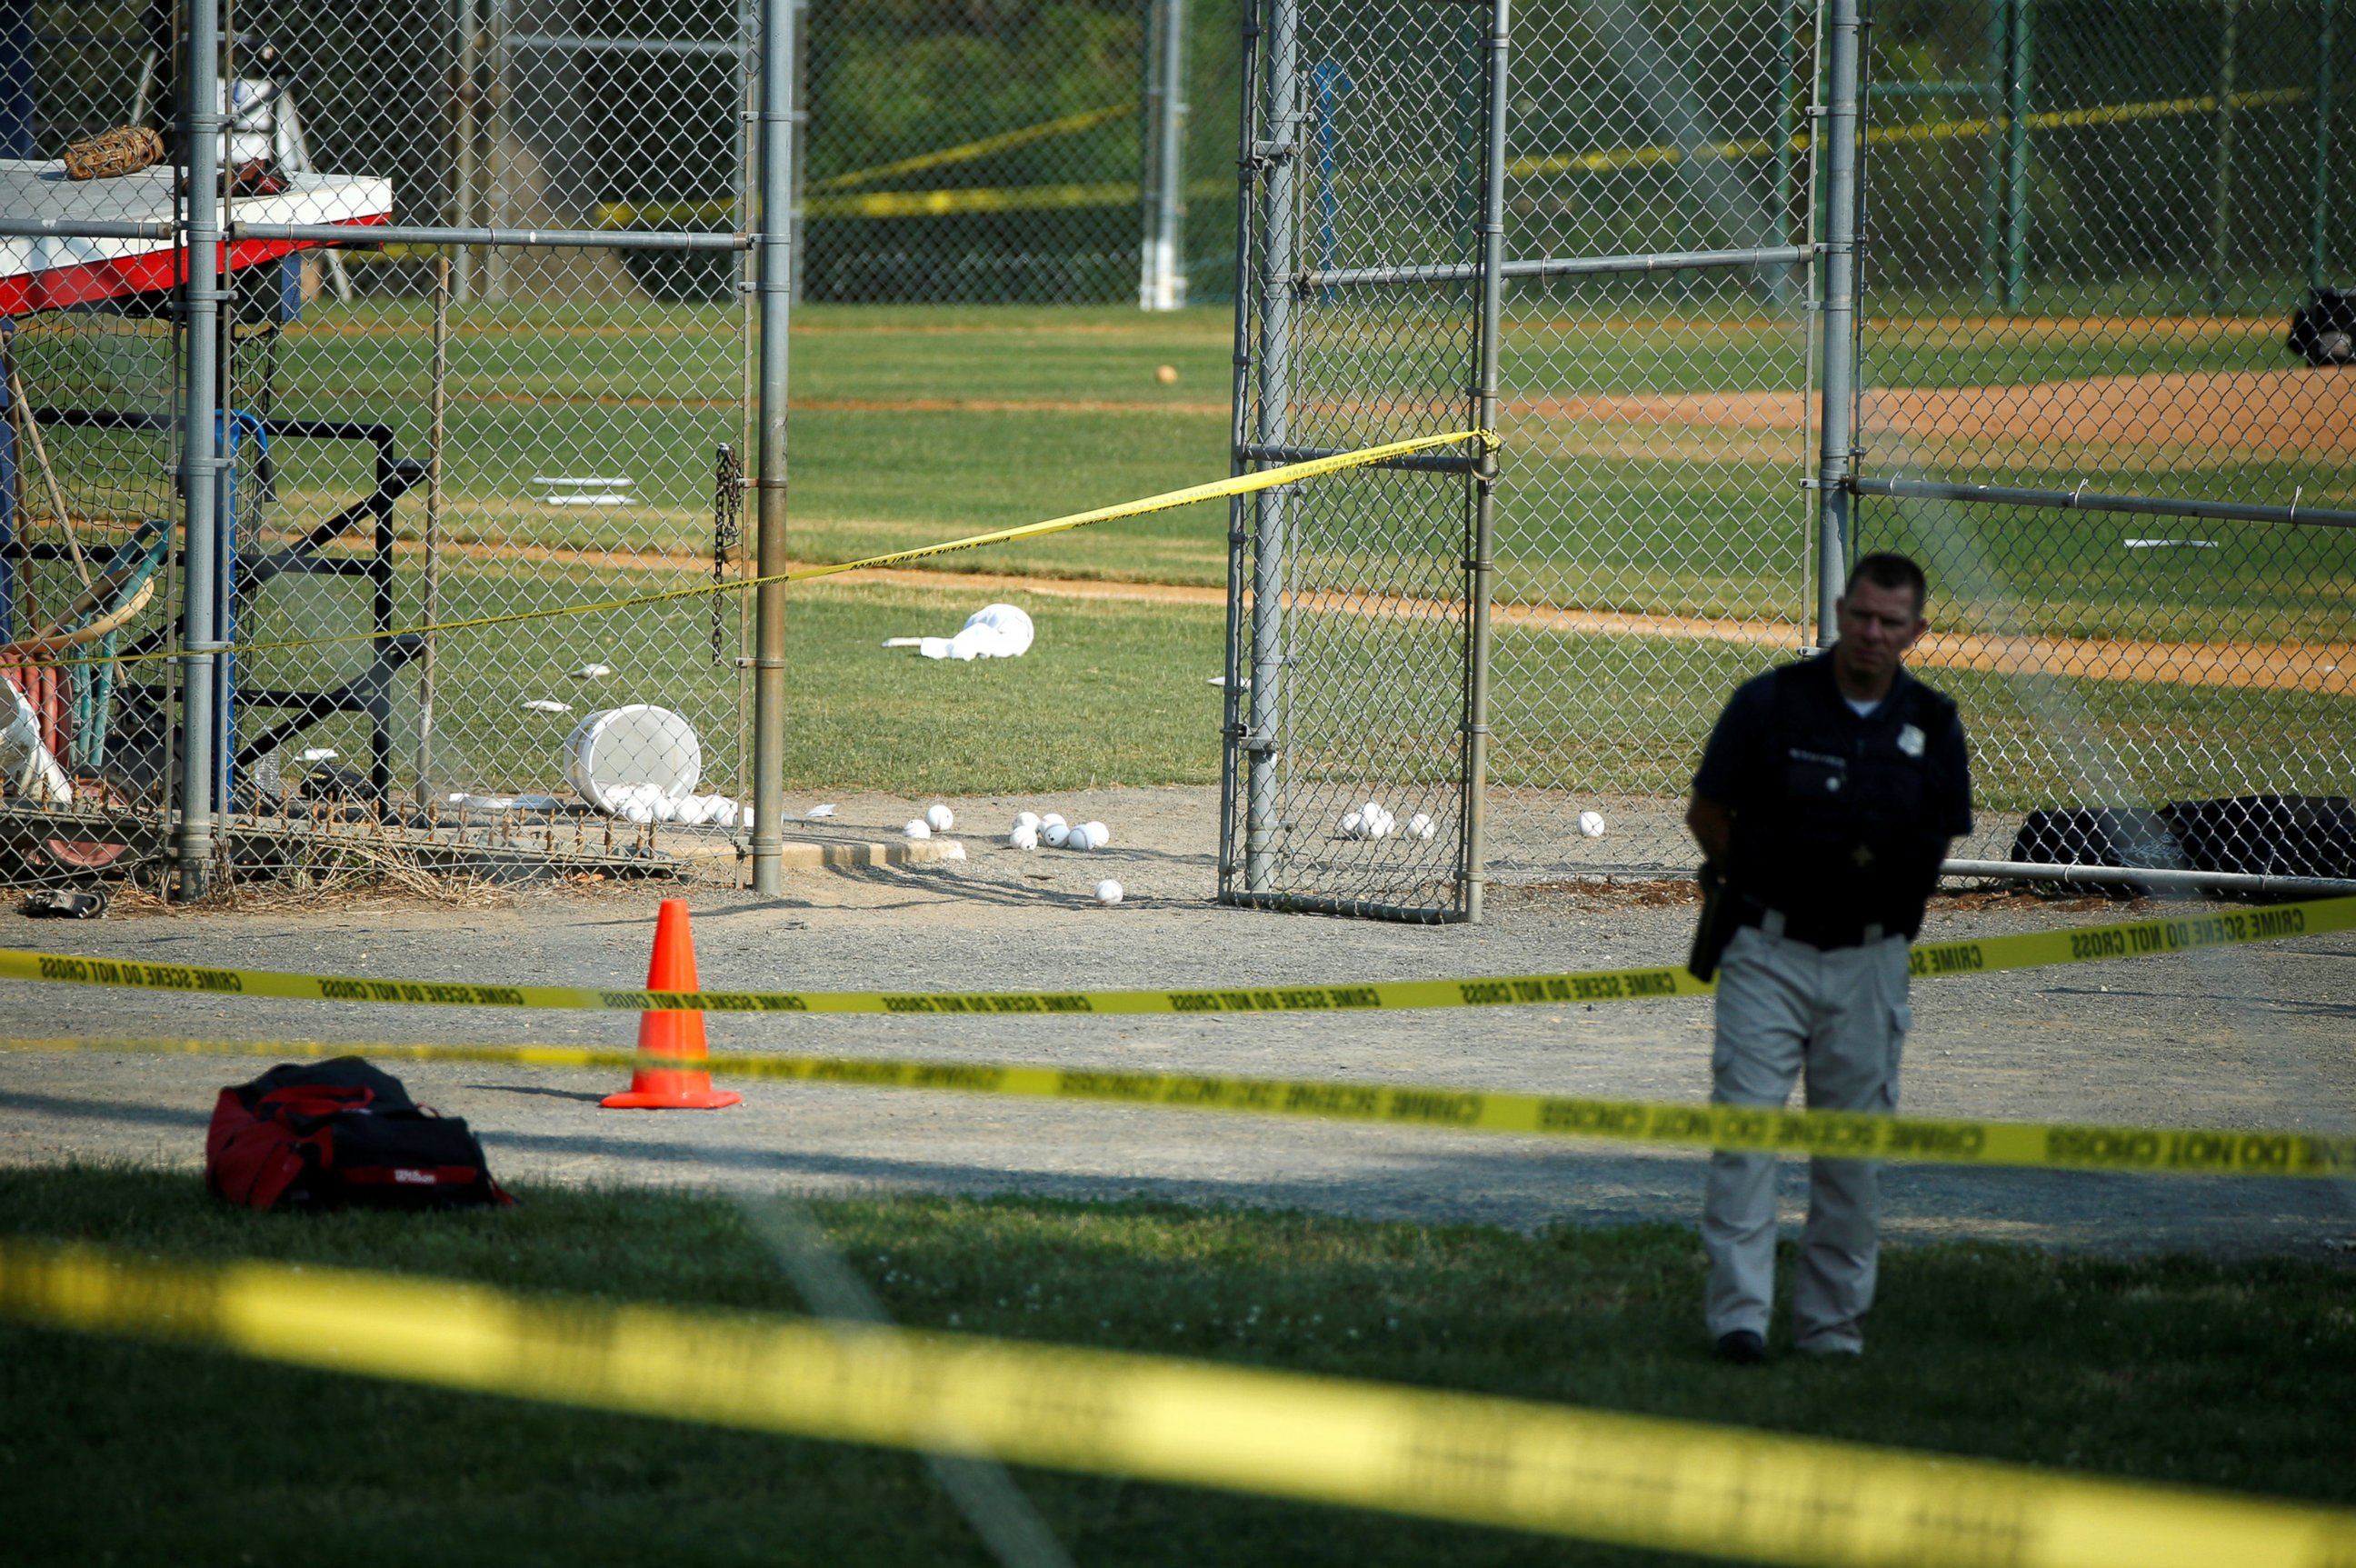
1715, 927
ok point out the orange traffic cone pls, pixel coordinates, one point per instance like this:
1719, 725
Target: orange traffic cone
671, 1034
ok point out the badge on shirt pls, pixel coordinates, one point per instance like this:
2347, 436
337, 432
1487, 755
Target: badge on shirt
1910, 740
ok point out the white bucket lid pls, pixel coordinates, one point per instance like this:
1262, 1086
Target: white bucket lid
640, 744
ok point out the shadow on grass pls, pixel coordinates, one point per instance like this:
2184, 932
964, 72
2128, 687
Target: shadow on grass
2233, 1375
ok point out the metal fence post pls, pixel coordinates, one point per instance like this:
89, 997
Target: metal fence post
2317, 250
1838, 308
465, 83
1282, 124
201, 471
2022, 60
1786, 40
1992, 103
776, 290
1174, 109
1149, 138
1482, 569
1162, 284
1234, 731
2221, 179
800, 141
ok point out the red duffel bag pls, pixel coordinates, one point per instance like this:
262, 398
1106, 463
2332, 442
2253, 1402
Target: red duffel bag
329, 1133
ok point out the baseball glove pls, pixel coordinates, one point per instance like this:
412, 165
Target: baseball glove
126, 149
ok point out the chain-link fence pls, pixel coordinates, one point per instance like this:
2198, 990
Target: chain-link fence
2089, 229
1654, 525
536, 393
552, 416
2082, 235
1016, 156
466, 422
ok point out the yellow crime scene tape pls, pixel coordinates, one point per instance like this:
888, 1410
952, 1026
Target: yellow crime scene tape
945, 202
630, 214
965, 152
1637, 1480
1832, 1134
1984, 955
994, 198
1218, 489
1604, 160
949, 201
978, 198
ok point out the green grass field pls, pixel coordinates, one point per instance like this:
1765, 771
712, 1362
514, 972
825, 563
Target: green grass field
2226, 1375
1112, 692
912, 425
911, 428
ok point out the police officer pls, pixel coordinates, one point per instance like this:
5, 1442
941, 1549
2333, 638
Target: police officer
1827, 796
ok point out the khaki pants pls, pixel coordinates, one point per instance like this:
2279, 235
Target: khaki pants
1785, 1008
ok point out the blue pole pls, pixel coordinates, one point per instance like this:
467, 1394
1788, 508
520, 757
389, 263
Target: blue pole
1329, 81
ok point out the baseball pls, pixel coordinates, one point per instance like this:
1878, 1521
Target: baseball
1098, 834
1078, 836
940, 819
1027, 819
1108, 891
1422, 826
1050, 821
917, 828
1165, 374
1022, 837
1591, 823
1352, 823
1053, 833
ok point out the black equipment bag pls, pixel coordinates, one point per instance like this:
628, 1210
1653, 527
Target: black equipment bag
335, 1133
2253, 835
2120, 836
2268, 835
2323, 330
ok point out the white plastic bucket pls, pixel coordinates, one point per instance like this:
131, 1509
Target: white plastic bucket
640, 744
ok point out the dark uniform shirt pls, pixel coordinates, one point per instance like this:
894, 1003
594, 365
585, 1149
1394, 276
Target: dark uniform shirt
1839, 820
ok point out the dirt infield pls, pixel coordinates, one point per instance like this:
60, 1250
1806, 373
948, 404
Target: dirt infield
2273, 667
2280, 413
2308, 667
496, 398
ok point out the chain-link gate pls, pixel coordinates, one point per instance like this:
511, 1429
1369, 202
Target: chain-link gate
1642, 561
1353, 682
1654, 519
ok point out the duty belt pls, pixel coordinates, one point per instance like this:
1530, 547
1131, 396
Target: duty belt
1825, 932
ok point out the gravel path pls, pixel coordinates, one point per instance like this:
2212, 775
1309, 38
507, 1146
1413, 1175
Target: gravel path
2257, 1037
